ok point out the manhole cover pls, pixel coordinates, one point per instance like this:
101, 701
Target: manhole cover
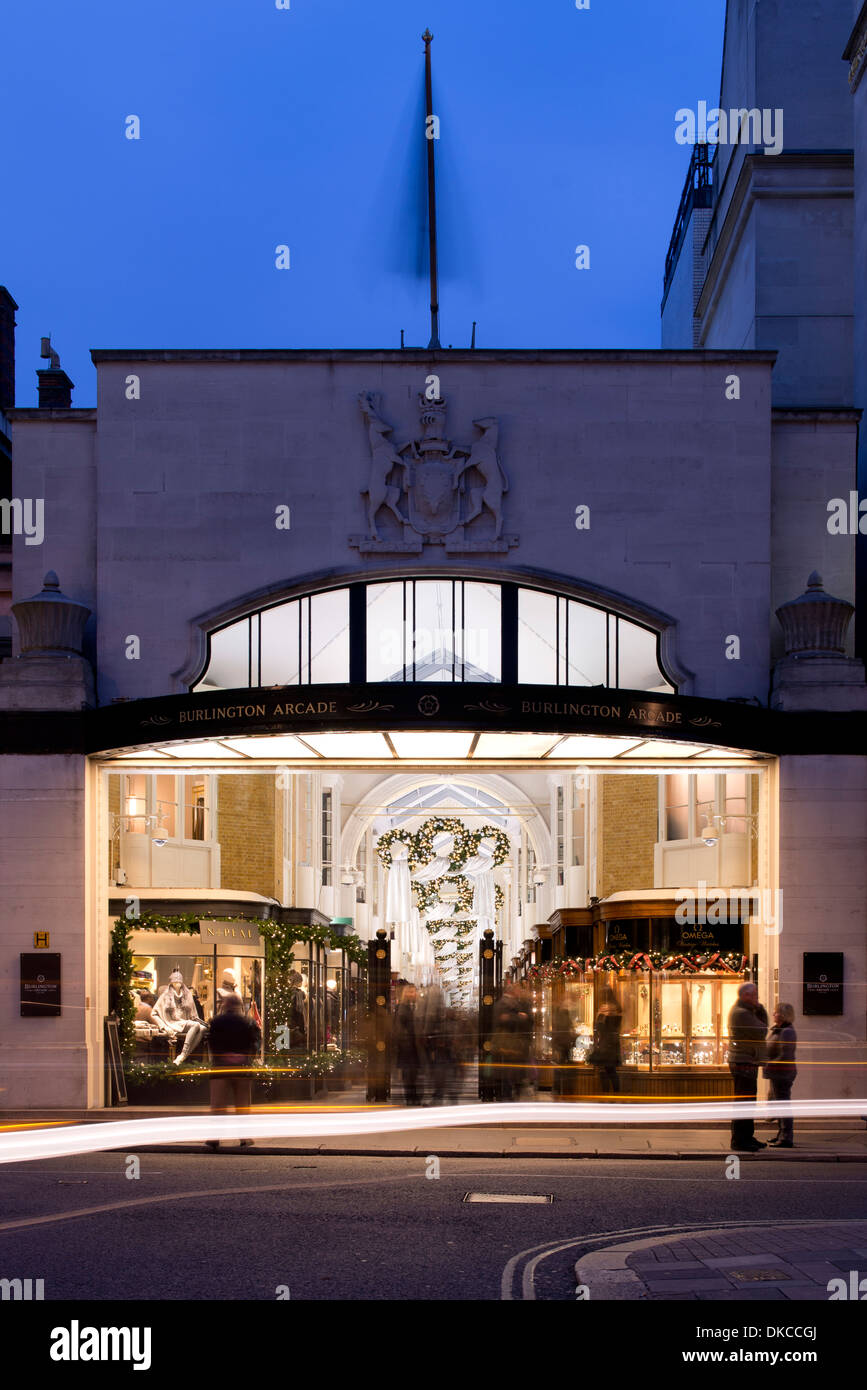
756, 1276
502, 1197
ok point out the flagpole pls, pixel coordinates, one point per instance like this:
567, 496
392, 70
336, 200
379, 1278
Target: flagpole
427, 36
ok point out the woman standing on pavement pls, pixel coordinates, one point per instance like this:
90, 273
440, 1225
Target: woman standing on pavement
781, 1071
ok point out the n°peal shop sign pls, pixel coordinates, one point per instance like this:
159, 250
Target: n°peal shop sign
459, 706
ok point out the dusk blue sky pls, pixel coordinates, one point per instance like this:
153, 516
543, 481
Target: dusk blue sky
262, 126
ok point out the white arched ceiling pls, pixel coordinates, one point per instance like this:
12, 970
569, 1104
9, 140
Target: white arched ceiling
505, 789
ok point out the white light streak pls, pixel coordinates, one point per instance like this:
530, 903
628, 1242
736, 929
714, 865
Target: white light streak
32, 1144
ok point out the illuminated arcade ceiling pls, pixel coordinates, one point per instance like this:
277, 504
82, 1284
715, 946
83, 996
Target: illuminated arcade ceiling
435, 747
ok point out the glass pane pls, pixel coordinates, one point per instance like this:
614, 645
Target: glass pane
677, 823
194, 808
736, 784
537, 654
639, 669
634, 994
703, 1051
385, 655
481, 633
329, 652
135, 804
280, 644
672, 1051
586, 665
228, 668
166, 795
677, 789
434, 638
705, 788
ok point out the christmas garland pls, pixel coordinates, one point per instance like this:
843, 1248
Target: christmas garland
714, 962
421, 852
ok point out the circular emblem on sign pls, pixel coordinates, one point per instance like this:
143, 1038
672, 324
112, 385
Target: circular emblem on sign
488, 999
380, 1047
40, 978
486, 1046
489, 955
822, 978
380, 955
380, 999
429, 705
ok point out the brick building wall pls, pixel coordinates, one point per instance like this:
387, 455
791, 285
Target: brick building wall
247, 829
628, 824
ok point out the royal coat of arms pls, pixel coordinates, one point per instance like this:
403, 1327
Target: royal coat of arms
434, 490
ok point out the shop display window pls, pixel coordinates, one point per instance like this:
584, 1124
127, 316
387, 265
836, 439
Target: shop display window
668, 1019
204, 975
578, 999
633, 991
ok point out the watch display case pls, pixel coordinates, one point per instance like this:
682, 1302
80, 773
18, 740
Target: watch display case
669, 1019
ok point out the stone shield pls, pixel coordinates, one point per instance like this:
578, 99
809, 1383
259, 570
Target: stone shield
434, 502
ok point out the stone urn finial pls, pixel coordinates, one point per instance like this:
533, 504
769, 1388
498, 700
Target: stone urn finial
815, 624
50, 622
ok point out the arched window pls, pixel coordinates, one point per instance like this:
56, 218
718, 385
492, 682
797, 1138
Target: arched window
435, 629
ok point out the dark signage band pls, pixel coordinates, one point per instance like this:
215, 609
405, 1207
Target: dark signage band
460, 706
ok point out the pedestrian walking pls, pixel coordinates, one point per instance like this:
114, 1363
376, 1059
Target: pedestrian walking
408, 1038
563, 1037
747, 1024
233, 1041
512, 1034
605, 1054
781, 1071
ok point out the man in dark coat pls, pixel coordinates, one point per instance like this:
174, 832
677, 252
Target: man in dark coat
233, 1041
748, 1024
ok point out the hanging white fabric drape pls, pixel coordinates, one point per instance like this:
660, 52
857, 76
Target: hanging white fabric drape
398, 897
443, 844
480, 871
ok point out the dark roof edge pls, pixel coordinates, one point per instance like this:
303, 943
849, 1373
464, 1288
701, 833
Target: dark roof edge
660, 355
76, 414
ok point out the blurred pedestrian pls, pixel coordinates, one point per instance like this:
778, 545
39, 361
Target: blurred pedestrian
747, 1024
512, 1035
781, 1071
408, 1039
605, 1054
439, 1040
563, 1037
233, 1041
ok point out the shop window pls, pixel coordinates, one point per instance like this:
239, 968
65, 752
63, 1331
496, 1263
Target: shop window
561, 844
135, 804
195, 809
326, 838
705, 801
578, 820
675, 824
736, 803
361, 866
